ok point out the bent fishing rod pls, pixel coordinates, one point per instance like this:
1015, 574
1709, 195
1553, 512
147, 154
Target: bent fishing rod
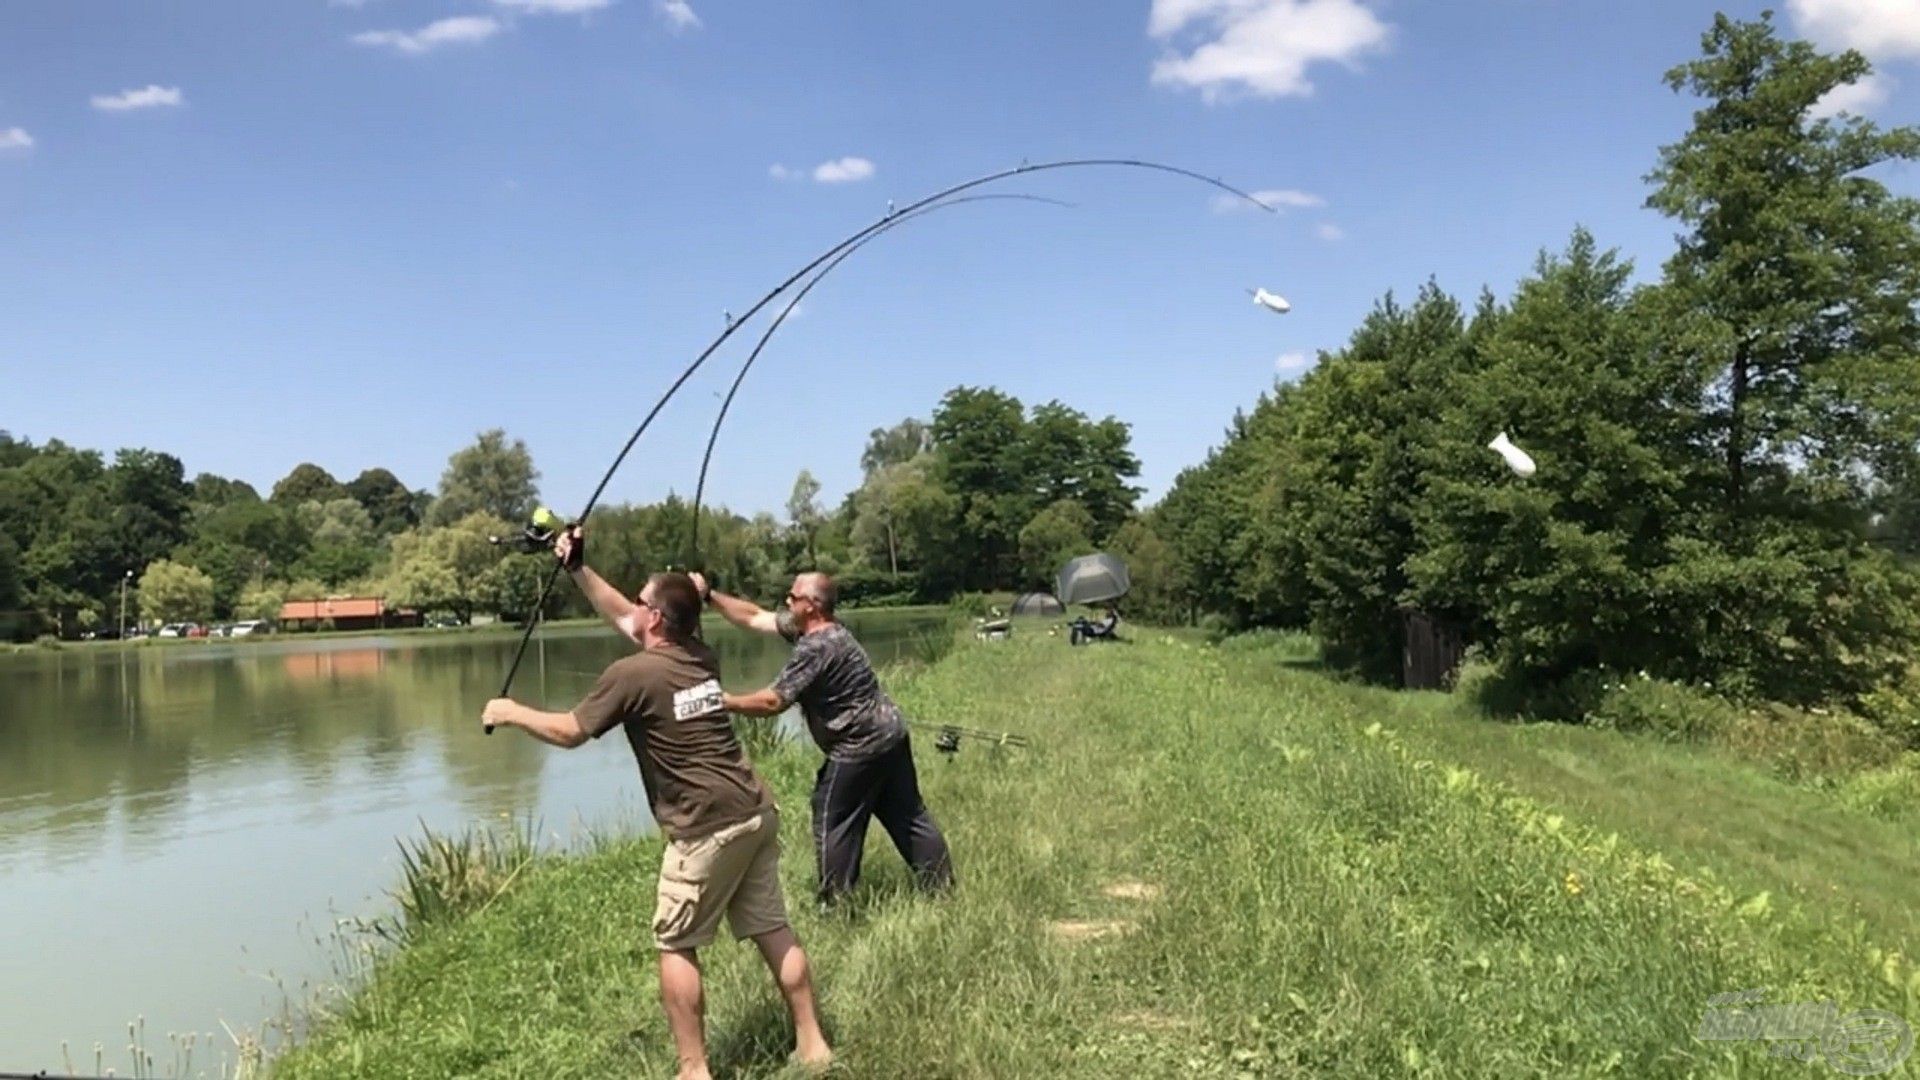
546, 588
713, 437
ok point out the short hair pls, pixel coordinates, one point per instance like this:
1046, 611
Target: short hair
677, 601
823, 591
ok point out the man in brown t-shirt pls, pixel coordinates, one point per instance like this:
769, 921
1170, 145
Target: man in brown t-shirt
723, 831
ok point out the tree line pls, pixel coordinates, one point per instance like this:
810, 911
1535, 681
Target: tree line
1727, 490
986, 494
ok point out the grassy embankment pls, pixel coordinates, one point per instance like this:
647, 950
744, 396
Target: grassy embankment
1213, 862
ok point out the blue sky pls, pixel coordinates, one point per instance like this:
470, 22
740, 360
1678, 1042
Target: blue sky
253, 234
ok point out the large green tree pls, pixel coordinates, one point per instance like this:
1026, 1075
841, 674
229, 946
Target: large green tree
447, 567
493, 476
1801, 274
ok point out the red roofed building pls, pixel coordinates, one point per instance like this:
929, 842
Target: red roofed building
345, 613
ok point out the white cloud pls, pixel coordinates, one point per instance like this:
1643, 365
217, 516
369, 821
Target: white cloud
459, 30
1330, 232
1277, 198
842, 171
1857, 98
1262, 47
553, 7
679, 15
152, 97
781, 172
15, 139
1878, 28
1292, 363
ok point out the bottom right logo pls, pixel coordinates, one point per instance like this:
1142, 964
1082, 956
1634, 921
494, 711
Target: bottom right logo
1864, 1042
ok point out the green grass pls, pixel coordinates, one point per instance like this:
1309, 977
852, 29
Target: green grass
1319, 879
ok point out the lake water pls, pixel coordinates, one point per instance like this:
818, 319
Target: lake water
182, 827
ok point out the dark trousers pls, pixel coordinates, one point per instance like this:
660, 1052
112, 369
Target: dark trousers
847, 793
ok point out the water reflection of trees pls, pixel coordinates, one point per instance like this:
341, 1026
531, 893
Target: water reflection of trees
92, 741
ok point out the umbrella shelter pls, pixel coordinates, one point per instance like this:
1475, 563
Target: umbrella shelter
1039, 603
1092, 579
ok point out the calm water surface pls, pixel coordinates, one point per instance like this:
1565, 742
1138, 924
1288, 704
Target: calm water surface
181, 827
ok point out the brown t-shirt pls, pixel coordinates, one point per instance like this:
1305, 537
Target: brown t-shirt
697, 777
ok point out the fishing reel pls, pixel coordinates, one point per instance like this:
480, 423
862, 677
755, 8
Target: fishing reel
948, 741
536, 537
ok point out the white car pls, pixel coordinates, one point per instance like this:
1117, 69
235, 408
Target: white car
250, 626
173, 629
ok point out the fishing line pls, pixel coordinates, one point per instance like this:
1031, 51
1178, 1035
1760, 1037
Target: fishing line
546, 588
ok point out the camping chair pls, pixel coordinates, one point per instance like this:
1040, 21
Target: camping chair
1105, 630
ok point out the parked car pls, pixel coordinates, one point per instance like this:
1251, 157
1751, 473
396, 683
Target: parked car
195, 630
173, 629
249, 627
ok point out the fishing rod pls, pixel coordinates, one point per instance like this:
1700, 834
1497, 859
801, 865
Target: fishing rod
713, 437
1024, 168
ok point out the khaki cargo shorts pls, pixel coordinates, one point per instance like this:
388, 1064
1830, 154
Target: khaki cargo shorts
735, 872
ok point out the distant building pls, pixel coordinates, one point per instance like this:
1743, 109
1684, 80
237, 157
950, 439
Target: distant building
345, 613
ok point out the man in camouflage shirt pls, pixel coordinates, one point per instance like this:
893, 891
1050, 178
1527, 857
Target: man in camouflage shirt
868, 771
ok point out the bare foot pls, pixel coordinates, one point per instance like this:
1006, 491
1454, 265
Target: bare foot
700, 1073
815, 1059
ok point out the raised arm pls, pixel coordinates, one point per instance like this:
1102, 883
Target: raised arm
570, 548
742, 613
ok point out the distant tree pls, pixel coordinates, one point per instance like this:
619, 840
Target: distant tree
804, 512
307, 483
1056, 534
388, 501
490, 477
895, 445
171, 592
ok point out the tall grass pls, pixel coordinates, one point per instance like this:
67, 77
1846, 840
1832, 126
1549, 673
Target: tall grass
445, 876
1211, 863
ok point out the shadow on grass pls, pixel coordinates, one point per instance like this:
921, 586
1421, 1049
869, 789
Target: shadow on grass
757, 1044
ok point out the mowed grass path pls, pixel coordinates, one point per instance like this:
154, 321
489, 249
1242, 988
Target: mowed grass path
1208, 865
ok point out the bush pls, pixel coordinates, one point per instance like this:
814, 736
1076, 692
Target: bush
1216, 628
971, 604
1805, 744
47, 641
1513, 695
867, 587
1666, 710
1895, 707
1891, 792
1290, 646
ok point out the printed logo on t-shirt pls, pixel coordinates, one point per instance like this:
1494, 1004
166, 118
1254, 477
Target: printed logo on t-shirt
697, 700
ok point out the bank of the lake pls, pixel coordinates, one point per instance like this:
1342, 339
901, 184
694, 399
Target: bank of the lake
1210, 863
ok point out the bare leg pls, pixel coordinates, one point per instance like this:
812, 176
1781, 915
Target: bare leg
681, 995
788, 962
